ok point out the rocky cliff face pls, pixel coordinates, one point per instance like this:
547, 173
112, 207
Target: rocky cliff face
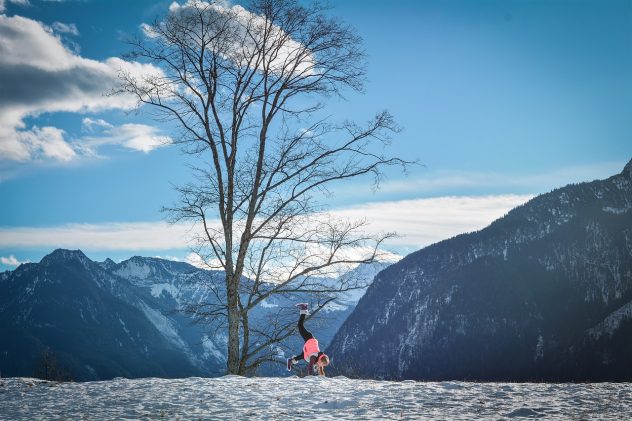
544, 293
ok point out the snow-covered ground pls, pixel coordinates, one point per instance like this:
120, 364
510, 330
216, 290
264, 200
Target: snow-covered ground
238, 398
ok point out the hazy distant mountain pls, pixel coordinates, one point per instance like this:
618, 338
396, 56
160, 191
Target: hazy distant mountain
103, 319
544, 293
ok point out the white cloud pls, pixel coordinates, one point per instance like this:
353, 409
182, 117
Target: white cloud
46, 142
37, 143
194, 259
421, 222
90, 124
27, 42
65, 28
20, 2
107, 236
542, 181
138, 137
446, 182
41, 75
11, 261
169, 257
246, 25
148, 30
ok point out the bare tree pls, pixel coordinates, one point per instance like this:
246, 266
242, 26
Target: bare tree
243, 86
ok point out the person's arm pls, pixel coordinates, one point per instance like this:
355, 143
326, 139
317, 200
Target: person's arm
321, 370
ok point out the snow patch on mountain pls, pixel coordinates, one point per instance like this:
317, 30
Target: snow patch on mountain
210, 350
108, 264
30, 288
125, 327
616, 211
539, 348
133, 269
163, 324
159, 289
333, 306
612, 322
266, 304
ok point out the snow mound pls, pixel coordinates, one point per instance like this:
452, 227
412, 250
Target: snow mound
339, 398
315, 398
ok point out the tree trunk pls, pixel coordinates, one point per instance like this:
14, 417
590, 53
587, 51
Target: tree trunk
233, 327
245, 345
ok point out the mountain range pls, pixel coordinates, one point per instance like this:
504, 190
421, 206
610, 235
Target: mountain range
542, 294
102, 320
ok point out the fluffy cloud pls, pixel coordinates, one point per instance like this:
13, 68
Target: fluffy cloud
65, 28
46, 142
109, 236
138, 137
39, 74
194, 259
94, 124
20, 2
247, 25
11, 261
422, 222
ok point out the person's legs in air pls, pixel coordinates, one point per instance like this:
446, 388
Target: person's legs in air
305, 334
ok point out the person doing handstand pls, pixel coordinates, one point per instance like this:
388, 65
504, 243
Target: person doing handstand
311, 353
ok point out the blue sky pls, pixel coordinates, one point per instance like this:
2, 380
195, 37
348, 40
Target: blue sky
500, 100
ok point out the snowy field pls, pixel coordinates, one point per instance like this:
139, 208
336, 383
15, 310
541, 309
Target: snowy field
239, 398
